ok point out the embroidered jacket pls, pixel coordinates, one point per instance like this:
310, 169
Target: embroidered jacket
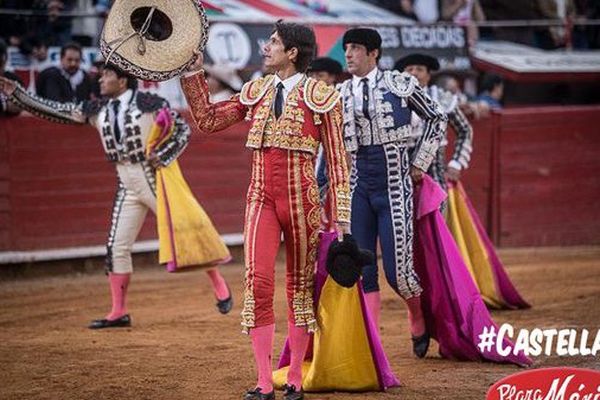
139, 117
463, 145
312, 115
394, 97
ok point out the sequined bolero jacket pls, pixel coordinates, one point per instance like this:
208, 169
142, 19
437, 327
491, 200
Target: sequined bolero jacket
311, 116
139, 117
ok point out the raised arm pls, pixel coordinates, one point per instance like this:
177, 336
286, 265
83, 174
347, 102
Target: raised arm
337, 165
65, 113
463, 145
434, 127
207, 116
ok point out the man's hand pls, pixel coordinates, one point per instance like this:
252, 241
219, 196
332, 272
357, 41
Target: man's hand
153, 160
452, 174
416, 174
342, 228
198, 64
7, 86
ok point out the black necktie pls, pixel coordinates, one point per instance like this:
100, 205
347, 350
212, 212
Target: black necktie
116, 128
365, 90
279, 100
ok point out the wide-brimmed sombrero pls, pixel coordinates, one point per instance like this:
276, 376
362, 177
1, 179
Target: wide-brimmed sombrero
154, 40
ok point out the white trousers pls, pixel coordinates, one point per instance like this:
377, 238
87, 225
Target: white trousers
136, 194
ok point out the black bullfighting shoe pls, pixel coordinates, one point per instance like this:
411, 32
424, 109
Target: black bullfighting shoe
257, 394
226, 305
290, 393
421, 345
121, 322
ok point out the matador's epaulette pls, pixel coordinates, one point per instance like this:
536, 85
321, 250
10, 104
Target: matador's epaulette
89, 108
149, 102
319, 96
401, 84
447, 100
254, 90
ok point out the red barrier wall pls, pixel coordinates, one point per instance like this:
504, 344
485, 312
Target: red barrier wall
56, 187
534, 180
548, 176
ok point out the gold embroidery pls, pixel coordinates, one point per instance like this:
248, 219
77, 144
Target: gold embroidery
302, 229
254, 90
253, 210
285, 133
319, 96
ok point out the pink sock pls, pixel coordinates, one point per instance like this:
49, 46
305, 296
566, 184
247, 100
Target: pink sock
373, 300
415, 316
118, 290
219, 285
298, 339
262, 344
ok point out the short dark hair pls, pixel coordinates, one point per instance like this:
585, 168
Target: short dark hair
490, 81
302, 38
31, 42
70, 46
132, 82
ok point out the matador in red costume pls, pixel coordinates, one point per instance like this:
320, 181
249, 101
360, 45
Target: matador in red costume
290, 116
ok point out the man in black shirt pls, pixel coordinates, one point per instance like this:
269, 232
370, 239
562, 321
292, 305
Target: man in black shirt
67, 82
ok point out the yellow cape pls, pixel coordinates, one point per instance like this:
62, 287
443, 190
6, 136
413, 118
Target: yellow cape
472, 248
186, 234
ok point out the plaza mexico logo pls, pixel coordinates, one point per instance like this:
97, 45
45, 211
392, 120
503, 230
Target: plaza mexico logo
548, 384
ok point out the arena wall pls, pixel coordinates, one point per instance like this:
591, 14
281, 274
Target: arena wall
534, 180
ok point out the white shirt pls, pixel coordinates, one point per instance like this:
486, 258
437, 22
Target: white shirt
357, 88
124, 100
426, 11
288, 84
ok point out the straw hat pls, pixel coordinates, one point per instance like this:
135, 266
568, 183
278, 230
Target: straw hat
225, 74
154, 39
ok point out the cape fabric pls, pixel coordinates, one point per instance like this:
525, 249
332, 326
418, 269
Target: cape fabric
346, 352
186, 235
454, 311
478, 253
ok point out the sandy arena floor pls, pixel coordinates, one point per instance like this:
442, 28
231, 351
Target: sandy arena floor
181, 348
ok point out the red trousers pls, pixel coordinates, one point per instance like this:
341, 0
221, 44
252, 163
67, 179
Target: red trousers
283, 197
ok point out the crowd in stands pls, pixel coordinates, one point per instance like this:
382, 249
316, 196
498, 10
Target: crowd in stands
50, 23
470, 12
53, 20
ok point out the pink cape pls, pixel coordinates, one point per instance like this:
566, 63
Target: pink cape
454, 310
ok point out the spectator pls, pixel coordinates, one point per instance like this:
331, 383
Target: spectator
325, 69
36, 51
424, 11
223, 82
492, 91
464, 13
7, 109
475, 109
57, 28
555, 36
68, 82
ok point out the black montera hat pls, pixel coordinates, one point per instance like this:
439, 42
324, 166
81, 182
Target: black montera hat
430, 62
345, 261
325, 64
368, 37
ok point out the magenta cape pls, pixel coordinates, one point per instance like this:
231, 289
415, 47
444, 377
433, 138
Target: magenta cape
454, 310
324, 372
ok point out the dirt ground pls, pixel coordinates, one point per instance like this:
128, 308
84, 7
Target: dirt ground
181, 348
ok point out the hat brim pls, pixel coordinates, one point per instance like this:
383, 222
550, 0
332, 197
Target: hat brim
162, 59
430, 62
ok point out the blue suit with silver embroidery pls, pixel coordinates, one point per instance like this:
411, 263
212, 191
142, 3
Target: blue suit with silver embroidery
381, 186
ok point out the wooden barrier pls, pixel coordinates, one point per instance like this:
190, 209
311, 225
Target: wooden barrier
534, 180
